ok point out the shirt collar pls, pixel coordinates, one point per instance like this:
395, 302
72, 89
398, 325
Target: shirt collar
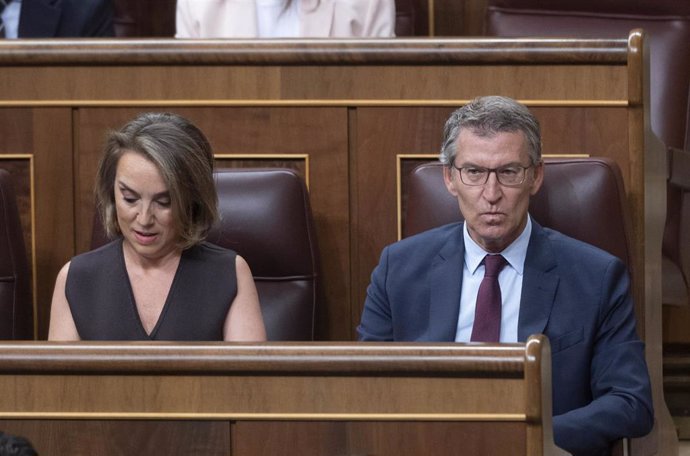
514, 254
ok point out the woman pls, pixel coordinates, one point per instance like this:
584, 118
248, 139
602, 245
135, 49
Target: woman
158, 279
285, 18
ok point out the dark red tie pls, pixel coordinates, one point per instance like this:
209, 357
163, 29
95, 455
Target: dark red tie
487, 314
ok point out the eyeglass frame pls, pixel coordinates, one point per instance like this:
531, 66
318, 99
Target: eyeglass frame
495, 171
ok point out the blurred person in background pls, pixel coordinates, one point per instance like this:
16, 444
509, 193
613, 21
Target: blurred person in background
56, 18
285, 18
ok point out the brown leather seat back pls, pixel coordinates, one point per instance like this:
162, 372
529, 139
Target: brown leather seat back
582, 198
16, 306
667, 22
266, 217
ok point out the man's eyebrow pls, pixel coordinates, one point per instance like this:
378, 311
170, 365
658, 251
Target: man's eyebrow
474, 165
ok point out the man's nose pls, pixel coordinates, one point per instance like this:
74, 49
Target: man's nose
492, 188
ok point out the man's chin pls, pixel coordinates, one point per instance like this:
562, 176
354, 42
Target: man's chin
492, 237
491, 220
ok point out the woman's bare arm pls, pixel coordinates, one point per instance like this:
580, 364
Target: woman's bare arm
62, 325
244, 322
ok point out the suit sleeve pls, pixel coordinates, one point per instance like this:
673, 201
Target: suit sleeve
100, 22
377, 323
621, 394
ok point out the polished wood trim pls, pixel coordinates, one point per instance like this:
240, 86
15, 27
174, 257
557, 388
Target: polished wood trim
312, 52
476, 385
538, 392
432, 22
503, 417
214, 358
296, 102
304, 157
32, 198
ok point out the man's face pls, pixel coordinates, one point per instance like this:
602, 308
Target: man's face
495, 214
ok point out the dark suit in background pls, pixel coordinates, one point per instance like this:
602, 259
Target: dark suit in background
66, 18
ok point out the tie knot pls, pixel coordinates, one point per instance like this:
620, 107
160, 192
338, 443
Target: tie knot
493, 265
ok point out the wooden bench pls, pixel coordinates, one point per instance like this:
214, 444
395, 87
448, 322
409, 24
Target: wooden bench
336, 398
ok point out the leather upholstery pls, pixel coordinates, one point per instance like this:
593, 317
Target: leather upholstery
266, 217
16, 306
667, 22
578, 198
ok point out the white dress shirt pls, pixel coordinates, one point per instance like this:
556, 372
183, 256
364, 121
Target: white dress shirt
510, 281
274, 21
10, 17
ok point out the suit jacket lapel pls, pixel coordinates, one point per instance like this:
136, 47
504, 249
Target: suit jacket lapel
445, 279
316, 19
39, 18
539, 285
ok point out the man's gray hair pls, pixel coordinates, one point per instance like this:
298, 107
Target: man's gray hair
486, 116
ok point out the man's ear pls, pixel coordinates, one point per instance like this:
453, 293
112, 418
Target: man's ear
448, 180
537, 177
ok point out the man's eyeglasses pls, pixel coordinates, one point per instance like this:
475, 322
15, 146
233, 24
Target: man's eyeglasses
509, 175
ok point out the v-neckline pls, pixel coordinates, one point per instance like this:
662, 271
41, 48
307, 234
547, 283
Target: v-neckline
132, 300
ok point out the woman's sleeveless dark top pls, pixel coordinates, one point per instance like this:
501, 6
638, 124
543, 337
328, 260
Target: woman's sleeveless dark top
103, 306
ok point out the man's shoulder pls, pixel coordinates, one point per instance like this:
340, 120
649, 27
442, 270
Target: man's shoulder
574, 249
430, 240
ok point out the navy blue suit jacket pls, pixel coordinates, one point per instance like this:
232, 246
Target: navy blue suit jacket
574, 293
66, 18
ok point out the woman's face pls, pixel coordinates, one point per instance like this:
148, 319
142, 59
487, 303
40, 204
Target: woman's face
143, 206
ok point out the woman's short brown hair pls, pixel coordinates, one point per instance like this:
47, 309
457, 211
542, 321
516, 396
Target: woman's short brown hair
184, 158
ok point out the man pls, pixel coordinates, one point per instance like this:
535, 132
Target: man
57, 18
427, 287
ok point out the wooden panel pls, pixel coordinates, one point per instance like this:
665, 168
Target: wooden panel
45, 137
453, 18
382, 133
96, 438
283, 399
420, 82
240, 395
310, 83
400, 438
